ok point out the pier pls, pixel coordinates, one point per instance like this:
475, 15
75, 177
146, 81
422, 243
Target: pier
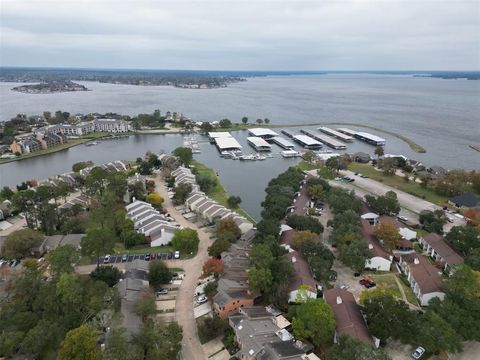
307, 142
347, 131
336, 134
258, 143
371, 139
263, 133
288, 133
327, 140
285, 144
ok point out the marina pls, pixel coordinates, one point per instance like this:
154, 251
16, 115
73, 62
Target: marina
290, 153
224, 141
307, 142
327, 140
347, 131
217, 134
259, 143
288, 133
283, 143
192, 143
266, 134
336, 134
371, 139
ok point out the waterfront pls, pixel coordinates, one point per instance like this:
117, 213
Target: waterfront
440, 115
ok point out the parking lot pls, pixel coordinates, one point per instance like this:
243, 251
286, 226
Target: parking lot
115, 259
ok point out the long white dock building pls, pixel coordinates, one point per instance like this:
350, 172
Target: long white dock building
327, 140
258, 143
336, 134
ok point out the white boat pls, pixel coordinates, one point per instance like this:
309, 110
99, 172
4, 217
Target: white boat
248, 157
290, 153
260, 157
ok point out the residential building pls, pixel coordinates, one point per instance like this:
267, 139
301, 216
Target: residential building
111, 125
380, 258
349, 319
423, 277
465, 200
436, 247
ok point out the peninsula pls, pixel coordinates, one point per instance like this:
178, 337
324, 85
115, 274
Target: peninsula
50, 87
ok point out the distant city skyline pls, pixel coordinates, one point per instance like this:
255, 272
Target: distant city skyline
350, 35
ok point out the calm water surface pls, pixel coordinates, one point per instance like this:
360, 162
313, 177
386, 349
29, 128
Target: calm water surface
441, 115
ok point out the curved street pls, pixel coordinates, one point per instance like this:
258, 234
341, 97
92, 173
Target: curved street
192, 349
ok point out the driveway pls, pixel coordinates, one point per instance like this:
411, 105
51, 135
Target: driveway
191, 347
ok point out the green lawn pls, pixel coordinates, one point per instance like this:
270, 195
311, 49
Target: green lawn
399, 183
218, 193
305, 166
409, 293
387, 280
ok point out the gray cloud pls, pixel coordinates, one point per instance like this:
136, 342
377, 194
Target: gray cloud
302, 35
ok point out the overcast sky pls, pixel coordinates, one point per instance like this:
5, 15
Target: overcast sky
242, 34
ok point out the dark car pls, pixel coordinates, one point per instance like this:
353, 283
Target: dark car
164, 256
370, 284
124, 258
170, 256
147, 257
159, 255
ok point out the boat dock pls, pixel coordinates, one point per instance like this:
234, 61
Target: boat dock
335, 134
258, 143
217, 134
263, 133
283, 143
307, 142
327, 140
371, 139
288, 133
224, 141
346, 131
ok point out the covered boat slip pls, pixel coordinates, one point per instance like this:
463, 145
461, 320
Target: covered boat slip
258, 143
371, 139
347, 131
327, 140
307, 142
262, 133
335, 134
283, 143
217, 134
227, 144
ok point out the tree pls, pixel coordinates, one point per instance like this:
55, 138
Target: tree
80, 166
210, 289
213, 266
218, 247
389, 166
61, 259
301, 238
314, 320
300, 222
433, 221
348, 348
206, 182
260, 280
158, 273
234, 201
261, 256
388, 234
435, 334
309, 156
108, 274
181, 193
355, 254
184, 154
464, 238
186, 241
266, 121
336, 164
227, 226
21, 243
6, 193
145, 305
316, 192
206, 127
80, 344
155, 199
244, 120
158, 341
225, 123
379, 151
473, 259
259, 121
386, 204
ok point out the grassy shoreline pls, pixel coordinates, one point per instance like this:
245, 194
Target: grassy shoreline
218, 193
475, 147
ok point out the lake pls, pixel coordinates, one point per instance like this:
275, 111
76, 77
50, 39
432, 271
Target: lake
440, 115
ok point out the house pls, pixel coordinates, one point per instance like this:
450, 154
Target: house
54, 241
437, 172
437, 248
423, 277
371, 218
380, 258
361, 157
465, 200
163, 235
111, 125
407, 234
5, 210
348, 316
302, 284
230, 297
259, 337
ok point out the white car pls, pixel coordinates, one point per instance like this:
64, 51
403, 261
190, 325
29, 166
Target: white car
201, 299
402, 218
417, 354
106, 259
177, 255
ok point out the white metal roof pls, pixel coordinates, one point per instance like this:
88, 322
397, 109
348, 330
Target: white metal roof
262, 132
258, 141
336, 133
371, 136
347, 131
307, 140
224, 143
219, 134
283, 142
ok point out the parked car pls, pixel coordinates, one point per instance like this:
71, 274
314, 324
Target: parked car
417, 354
153, 256
177, 254
202, 299
170, 256
15, 263
370, 284
164, 256
449, 219
402, 218
124, 257
161, 291
364, 176
147, 257
106, 259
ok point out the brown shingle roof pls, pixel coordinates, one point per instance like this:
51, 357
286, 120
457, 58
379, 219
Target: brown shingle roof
347, 315
440, 246
424, 273
301, 272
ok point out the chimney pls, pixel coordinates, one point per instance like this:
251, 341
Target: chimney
294, 259
370, 246
339, 300
416, 261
